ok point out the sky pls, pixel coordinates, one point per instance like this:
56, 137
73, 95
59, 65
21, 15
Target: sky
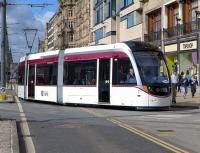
24, 17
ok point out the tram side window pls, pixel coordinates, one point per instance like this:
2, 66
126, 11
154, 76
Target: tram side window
80, 72
46, 74
21, 73
123, 72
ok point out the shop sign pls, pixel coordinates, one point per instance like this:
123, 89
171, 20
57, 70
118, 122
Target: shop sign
171, 48
188, 45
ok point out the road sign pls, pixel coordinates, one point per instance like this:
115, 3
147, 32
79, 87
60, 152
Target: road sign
3, 90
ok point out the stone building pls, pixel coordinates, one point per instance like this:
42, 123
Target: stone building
82, 23
70, 26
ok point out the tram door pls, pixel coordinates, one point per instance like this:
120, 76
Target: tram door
31, 81
104, 80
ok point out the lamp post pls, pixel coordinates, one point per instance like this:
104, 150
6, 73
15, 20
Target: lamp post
198, 40
3, 43
177, 69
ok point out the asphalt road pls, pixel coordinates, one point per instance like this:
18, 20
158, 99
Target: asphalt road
64, 129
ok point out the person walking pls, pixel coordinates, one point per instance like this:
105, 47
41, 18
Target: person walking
180, 76
193, 85
184, 86
174, 79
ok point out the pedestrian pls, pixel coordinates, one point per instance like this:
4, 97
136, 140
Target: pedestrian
189, 77
193, 85
174, 79
184, 86
180, 76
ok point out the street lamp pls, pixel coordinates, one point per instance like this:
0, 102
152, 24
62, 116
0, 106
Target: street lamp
177, 61
198, 40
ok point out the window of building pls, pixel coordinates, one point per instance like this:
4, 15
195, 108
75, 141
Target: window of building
46, 74
108, 9
123, 72
154, 21
132, 18
70, 13
99, 34
71, 37
194, 9
70, 24
99, 13
80, 72
21, 70
125, 3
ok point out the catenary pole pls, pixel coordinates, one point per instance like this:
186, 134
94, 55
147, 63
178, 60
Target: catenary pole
3, 43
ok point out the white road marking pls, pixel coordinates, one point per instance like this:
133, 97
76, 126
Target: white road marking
164, 117
11, 140
25, 129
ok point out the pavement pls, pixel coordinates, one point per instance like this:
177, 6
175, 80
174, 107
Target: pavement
9, 142
189, 101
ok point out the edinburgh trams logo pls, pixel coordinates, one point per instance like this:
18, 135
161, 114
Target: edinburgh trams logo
44, 93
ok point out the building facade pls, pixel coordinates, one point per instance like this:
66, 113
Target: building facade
82, 23
116, 21
51, 33
70, 26
174, 26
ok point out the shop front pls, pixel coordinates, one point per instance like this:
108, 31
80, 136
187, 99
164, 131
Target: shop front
171, 55
187, 57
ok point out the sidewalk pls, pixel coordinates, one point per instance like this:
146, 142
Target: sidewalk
8, 130
8, 137
188, 101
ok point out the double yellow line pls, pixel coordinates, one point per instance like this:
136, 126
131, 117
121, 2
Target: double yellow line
140, 133
148, 137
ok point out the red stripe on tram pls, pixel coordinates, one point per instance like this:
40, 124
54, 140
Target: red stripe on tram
43, 60
95, 55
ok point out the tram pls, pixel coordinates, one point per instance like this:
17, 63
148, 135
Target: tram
122, 74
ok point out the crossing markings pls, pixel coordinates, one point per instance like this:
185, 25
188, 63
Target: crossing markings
149, 137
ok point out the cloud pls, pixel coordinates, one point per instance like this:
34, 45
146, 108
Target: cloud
44, 18
20, 18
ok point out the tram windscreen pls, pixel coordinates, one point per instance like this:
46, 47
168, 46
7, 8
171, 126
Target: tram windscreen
153, 72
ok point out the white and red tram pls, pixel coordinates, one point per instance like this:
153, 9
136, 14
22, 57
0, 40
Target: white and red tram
97, 75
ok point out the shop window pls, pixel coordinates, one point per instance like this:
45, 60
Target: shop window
123, 72
80, 72
21, 70
189, 61
46, 74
